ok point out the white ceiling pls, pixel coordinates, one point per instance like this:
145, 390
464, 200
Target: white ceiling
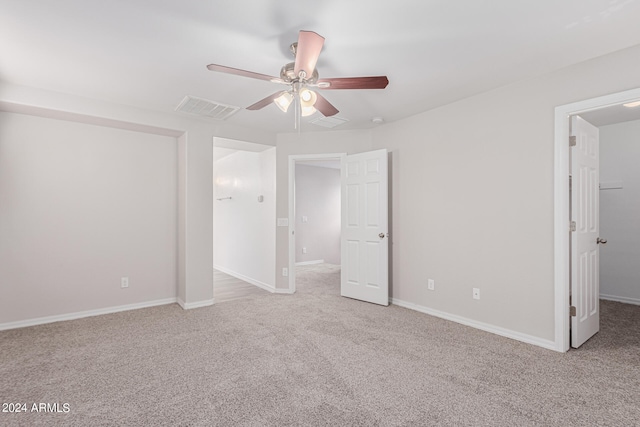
611, 115
223, 147
331, 164
220, 153
150, 54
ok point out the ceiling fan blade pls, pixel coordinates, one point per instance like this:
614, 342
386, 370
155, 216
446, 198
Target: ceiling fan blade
264, 102
238, 72
325, 107
377, 82
307, 53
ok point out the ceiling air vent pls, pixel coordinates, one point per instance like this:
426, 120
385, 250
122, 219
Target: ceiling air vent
206, 108
328, 122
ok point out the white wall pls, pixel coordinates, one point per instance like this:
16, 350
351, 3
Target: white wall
620, 212
317, 199
80, 207
244, 229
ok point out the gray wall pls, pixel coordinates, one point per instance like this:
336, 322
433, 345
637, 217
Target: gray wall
80, 207
194, 169
472, 190
317, 199
473, 187
620, 212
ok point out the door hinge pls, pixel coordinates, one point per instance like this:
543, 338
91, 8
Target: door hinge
573, 226
572, 141
572, 311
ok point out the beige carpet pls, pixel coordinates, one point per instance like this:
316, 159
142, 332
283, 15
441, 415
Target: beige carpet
314, 358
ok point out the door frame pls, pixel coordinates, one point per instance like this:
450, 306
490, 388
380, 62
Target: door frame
561, 204
292, 205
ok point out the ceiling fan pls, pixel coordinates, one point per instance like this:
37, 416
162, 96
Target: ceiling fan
302, 75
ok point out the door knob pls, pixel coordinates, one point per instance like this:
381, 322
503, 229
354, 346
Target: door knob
381, 235
601, 241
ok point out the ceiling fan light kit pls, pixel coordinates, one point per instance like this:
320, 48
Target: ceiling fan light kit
307, 111
284, 101
308, 99
301, 75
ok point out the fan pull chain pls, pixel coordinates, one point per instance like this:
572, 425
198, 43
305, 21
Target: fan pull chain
297, 114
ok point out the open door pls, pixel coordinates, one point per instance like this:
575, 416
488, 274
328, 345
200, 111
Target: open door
585, 215
365, 239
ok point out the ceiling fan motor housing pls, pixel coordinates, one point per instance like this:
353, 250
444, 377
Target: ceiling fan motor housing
288, 74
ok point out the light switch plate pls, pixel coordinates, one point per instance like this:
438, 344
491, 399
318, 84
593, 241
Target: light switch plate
283, 222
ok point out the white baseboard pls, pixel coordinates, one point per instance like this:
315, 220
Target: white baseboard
529, 339
255, 282
317, 261
284, 291
81, 314
625, 300
197, 304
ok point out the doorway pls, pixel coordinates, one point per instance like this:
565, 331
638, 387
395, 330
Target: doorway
314, 212
562, 203
364, 225
243, 218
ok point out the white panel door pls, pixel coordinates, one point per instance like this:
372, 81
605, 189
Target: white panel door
585, 255
365, 239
